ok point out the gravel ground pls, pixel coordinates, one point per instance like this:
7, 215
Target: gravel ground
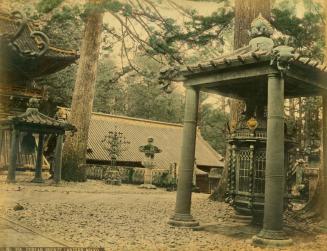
94, 214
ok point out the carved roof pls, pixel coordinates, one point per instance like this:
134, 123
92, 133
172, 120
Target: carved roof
33, 119
246, 56
28, 54
261, 51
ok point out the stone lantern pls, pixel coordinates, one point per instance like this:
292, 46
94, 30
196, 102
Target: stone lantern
149, 151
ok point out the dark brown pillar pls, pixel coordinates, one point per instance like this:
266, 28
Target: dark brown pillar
39, 159
182, 216
272, 233
11, 176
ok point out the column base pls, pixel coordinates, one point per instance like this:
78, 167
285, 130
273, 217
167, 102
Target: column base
53, 182
269, 238
148, 186
183, 220
10, 181
37, 180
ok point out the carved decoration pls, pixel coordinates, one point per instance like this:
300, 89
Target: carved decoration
166, 76
282, 56
260, 27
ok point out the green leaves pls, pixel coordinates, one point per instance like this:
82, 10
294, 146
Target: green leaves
306, 32
45, 6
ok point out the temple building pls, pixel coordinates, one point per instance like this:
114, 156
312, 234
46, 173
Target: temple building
25, 56
168, 137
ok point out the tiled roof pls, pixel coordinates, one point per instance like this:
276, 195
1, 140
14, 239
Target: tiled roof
32, 47
10, 25
243, 56
33, 117
167, 136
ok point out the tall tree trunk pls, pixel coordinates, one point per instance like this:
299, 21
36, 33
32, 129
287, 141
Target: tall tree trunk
82, 102
245, 12
316, 204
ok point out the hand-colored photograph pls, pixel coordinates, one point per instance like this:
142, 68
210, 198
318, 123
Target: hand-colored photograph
163, 125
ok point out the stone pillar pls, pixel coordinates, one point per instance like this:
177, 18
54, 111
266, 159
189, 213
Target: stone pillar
11, 176
39, 158
58, 159
147, 176
272, 233
182, 216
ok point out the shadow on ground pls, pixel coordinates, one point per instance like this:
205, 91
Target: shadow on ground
240, 231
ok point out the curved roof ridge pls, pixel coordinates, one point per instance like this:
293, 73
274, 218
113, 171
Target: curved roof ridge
10, 17
130, 118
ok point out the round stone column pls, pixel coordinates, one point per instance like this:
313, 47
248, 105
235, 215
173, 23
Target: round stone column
182, 216
272, 233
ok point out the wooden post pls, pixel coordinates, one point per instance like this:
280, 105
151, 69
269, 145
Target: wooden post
182, 216
11, 176
58, 158
39, 158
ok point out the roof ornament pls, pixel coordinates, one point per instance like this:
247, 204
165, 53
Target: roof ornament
42, 40
282, 56
260, 27
260, 32
21, 21
166, 76
33, 103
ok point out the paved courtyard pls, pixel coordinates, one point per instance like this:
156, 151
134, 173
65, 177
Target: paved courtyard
94, 214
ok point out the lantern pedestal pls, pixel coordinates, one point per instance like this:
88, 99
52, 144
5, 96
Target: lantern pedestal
148, 177
37, 180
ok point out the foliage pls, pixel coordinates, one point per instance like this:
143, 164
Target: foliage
306, 33
109, 95
63, 22
59, 87
212, 125
45, 6
146, 100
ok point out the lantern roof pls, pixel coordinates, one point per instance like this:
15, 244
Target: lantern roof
243, 73
34, 121
27, 54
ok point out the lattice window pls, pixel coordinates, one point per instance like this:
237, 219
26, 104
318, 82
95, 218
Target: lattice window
259, 171
243, 164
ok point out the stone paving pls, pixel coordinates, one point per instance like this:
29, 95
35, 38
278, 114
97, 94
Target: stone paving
94, 214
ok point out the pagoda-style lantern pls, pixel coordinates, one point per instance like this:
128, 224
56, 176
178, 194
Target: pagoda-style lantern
33, 122
247, 161
260, 146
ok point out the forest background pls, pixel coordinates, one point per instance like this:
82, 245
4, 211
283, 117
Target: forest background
127, 75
